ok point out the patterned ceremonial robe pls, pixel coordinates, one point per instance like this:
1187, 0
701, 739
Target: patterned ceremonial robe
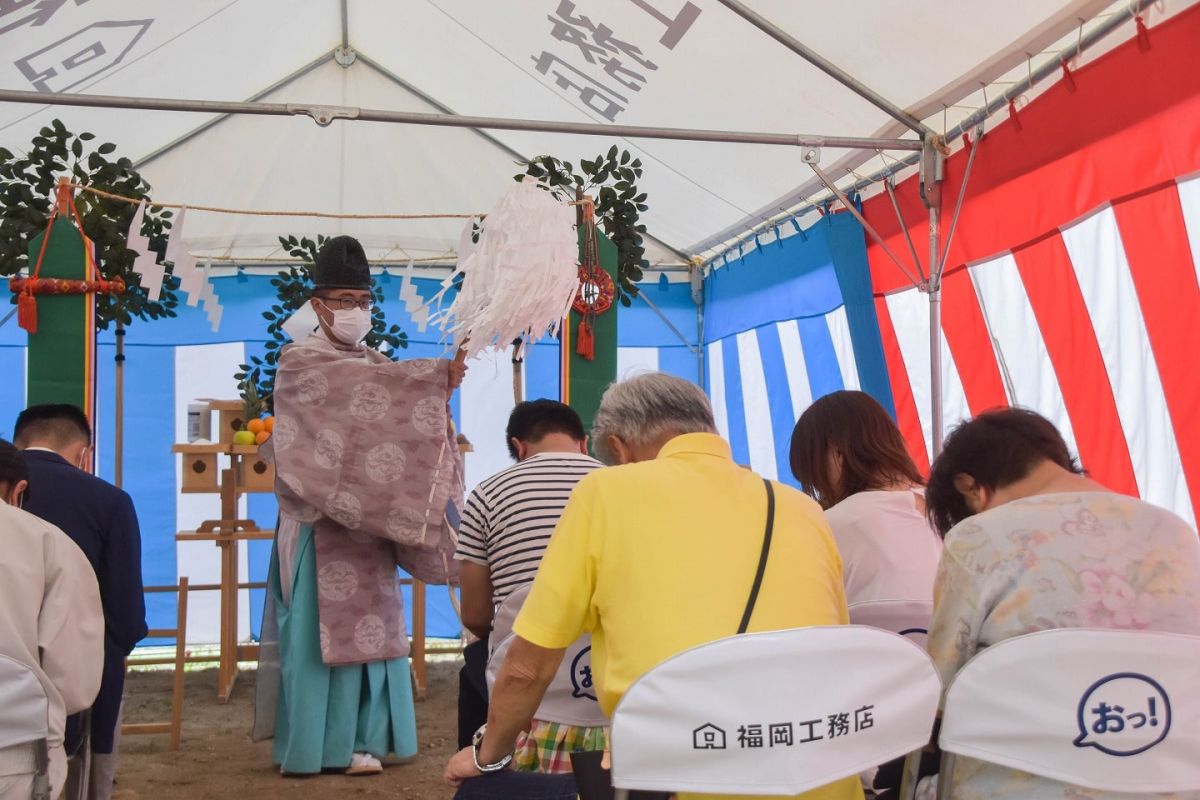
363, 452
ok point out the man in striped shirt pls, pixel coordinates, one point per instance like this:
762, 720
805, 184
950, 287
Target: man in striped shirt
506, 525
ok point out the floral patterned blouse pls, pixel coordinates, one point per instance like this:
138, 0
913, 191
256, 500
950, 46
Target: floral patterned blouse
1085, 559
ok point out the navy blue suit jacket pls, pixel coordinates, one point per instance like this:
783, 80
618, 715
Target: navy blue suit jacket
100, 518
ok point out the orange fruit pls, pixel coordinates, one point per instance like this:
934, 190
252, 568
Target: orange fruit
270, 423
256, 426
261, 437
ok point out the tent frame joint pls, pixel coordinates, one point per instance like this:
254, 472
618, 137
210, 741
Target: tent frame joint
323, 115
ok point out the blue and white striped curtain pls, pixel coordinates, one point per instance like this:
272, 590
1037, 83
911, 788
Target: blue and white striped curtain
784, 325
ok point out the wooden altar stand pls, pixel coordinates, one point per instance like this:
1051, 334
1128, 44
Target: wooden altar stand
245, 473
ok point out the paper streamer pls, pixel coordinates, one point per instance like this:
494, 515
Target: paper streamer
191, 281
413, 303
212, 305
520, 278
146, 264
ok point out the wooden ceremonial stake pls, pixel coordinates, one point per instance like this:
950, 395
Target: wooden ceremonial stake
418, 639
227, 668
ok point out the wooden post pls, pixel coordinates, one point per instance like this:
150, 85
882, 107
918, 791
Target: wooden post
227, 671
418, 636
180, 664
517, 366
119, 429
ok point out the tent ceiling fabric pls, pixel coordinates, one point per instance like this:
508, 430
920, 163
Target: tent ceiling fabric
654, 62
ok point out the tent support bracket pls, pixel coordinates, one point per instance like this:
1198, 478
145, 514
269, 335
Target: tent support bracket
279, 84
940, 268
912, 249
868, 227
653, 307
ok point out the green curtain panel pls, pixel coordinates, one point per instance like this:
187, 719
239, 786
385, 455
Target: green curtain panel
62, 354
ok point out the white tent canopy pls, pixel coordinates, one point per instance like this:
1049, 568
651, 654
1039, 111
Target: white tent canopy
670, 63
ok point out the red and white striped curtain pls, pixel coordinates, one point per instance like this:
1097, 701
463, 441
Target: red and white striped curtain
1073, 285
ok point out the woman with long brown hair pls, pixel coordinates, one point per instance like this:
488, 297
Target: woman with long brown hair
848, 454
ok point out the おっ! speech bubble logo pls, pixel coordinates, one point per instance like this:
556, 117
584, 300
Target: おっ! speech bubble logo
1123, 714
581, 675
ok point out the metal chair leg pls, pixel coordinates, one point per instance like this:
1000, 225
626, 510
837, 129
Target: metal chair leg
41, 779
945, 776
909, 775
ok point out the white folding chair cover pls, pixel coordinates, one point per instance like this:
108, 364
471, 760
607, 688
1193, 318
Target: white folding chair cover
24, 707
1102, 709
571, 697
688, 725
906, 617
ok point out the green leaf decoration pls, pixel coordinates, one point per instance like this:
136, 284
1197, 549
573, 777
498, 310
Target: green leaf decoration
26, 188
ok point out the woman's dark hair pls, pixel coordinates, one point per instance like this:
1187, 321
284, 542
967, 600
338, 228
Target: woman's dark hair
533, 420
996, 448
873, 451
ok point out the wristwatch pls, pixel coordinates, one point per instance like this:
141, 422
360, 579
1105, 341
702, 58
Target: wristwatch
476, 741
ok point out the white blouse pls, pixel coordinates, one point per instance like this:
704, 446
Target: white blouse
889, 551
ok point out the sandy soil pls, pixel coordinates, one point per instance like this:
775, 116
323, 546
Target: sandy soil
218, 760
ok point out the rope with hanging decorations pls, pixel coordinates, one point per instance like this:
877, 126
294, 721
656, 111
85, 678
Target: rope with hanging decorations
597, 290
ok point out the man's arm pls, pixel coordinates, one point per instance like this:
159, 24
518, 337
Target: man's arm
558, 609
477, 609
71, 624
523, 679
120, 576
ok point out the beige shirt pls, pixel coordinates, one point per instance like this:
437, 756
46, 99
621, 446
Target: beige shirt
51, 620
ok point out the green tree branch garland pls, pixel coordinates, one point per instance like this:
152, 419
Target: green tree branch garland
293, 288
27, 198
612, 179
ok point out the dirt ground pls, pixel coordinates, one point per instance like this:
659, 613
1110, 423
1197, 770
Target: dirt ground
218, 760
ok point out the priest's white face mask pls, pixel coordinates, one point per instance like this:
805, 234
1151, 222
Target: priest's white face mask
348, 317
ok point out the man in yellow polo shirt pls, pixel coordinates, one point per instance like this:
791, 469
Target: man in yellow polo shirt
654, 557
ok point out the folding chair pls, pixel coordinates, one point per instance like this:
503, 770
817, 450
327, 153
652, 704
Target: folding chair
179, 633
25, 719
571, 698
775, 713
906, 617
1101, 709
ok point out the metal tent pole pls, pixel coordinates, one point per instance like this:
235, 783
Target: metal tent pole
826, 66
324, 115
935, 339
932, 164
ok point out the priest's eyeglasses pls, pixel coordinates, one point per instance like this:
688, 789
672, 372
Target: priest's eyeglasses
346, 303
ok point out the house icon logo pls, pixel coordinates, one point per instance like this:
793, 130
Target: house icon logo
708, 737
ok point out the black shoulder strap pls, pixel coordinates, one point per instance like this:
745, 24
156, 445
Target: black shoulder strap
762, 558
